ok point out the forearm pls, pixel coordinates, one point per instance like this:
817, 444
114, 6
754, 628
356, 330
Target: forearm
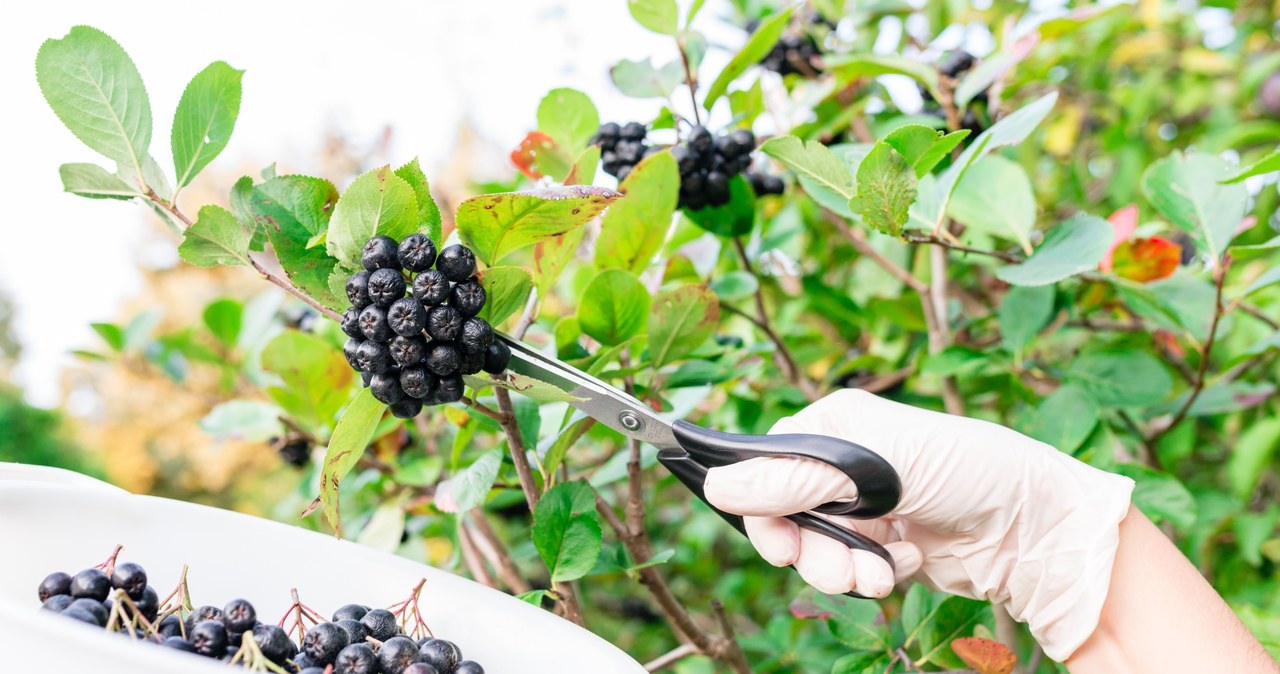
1161, 616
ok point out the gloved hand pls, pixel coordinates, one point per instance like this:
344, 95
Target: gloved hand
986, 513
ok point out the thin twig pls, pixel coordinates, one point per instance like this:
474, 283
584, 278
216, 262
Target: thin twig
690, 80
670, 657
482, 408
864, 247
635, 476
940, 332
471, 556
937, 240
786, 362
1257, 313
496, 553
733, 650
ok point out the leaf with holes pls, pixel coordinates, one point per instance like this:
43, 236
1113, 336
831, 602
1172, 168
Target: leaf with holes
496, 225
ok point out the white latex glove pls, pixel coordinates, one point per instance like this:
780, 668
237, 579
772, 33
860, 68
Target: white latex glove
986, 513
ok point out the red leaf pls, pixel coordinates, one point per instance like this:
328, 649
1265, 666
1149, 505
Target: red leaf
1125, 222
1146, 259
984, 655
526, 153
805, 608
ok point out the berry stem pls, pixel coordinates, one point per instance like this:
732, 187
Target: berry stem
108, 566
690, 80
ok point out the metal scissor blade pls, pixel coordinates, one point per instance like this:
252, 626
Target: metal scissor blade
603, 402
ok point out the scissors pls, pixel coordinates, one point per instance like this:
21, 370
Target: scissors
688, 450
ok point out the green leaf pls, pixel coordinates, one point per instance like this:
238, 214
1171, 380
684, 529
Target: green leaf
507, 290
1065, 418
216, 238
292, 210
560, 447
223, 317
922, 146
886, 188
856, 623
642, 79
110, 333
204, 120
823, 174
757, 47
1074, 246
1129, 378
1256, 250
532, 597
1251, 455
694, 8
659, 16
1187, 190
735, 285
551, 256
95, 89
634, 228
869, 65
1160, 496
954, 617
681, 320
1268, 278
995, 197
539, 391
468, 489
428, 212
350, 437
243, 421
569, 117
735, 218
1023, 313
1268, 164
614, 307
378, 202
566, 531
316, 376
94, 182
496, 225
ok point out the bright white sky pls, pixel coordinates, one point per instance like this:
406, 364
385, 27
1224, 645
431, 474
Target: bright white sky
418, 65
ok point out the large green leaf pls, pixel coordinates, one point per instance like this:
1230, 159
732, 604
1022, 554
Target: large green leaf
566, 531
428, 213
95, 89
469, 487
216, 238
995, 197
569, 117
634, 228
316, 376
614, 307
757, 47
886, 188
551, 256
347, 444
1160, 496
224, 318
923, 146
1129, 378
659, 16
496, 225
528, 387
1023, 313
1251, 455
680, 321
823, 175
292, 210
1074, 246
1065, 418
507, 290
642, 79
378, 202
856, 66
95, 182
204, 120
1187, 190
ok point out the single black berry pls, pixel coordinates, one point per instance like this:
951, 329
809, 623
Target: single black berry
441, 654
358, 290
386, 387
417, 383
407, 408
449, 389
633, 131
171, 626
476, 335
443, 359
420, 668
82, 615
417, 252
273, 642
177, 643
58, 603
743, 142
209, 638
381, 623
201, 614
131, 578
496, 357
356, 659
386, 286
468, 298
90, 583
717, 189
444, 323
373, 357
380, 253
608, 134
407, 316
356, 631
351, 348
350, 612
351, 322
323, 642
53, 585
472, 362
374, 324
149, 603
431, 287
99, 611
239, 615
296, 452
468, 667
700, 140
457, 263
396, 654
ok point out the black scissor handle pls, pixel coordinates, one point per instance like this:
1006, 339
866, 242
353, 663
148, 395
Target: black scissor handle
878, 485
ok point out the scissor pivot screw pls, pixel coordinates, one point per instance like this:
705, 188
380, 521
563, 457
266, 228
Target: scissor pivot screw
630, 420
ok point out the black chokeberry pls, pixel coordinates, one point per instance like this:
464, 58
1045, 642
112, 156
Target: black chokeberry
431, 287
374, 324
171, 626
54, 584
149, 603
457, 263
443, 358
381, 623
131, 578
209, 638
633, 131
386, 286
93, 606
472, 362
82, 615
201, 614
296, 452
356, 659
476, 335
373, 358
407, 351
358, 290
407, 316
305, 665
356, 631
386, 387
449, 389
58, 603
177, 643
351, 323
444, 323
90, 583
420, 668
468, 298
396, 654
351, 348
468, 667
608, 134
441, 654
323, 642
350, 612
417, 383
684, 158
496, 357
700, 140
717, 188
273, 642
239, 615
407, 408
417, 252
380, 253
628, 152
743, 142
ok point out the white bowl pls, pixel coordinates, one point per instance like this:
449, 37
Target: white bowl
53, 522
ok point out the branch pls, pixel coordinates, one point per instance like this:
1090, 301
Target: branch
939, 332
690, 80
670, 658
497, 554
936, 240
786, 362
733, 650
859, 241
482, 408
1257, 313
472, 557
635, 477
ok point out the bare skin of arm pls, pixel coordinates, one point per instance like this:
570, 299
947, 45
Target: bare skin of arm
1160, 616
